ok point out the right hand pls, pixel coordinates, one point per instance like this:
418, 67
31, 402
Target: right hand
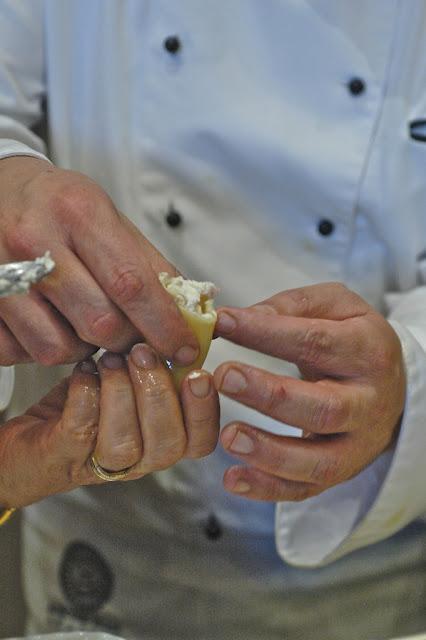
128, 415
104, 291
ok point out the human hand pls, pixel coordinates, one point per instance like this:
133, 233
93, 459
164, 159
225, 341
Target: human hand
104, 291
348, 404
128, 416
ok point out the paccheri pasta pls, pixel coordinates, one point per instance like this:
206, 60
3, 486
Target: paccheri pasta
196, 303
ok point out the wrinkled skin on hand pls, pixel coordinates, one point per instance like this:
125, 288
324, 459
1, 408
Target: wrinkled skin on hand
104, 291
348, 403
126, 411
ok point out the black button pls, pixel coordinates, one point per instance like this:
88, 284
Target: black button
417, 130
356, 86
172, 44
212, 529
173, 217
325, 227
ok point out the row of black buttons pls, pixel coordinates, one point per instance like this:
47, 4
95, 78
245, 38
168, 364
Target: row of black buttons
175, 219
173, 45
356, 86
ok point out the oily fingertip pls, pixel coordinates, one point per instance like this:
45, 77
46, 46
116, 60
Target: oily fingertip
111, 361
199, 383
143, 356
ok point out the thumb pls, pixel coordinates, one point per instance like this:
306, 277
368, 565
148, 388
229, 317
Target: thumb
326, 300
45, 451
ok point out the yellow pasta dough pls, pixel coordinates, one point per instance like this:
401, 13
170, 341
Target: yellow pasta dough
195, 301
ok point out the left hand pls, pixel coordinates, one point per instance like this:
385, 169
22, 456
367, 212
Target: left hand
348, 403
125, 411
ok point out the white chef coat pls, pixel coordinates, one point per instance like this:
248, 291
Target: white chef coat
269, 119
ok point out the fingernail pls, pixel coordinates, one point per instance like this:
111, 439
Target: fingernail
143, 356
199, 383
233, 382
88, 366
112, 360
241, 487
225, 323
185, 356
241, 443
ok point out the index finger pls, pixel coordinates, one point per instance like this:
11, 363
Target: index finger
125, 264
332, 347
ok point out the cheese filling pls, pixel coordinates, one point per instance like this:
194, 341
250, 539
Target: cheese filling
191, 295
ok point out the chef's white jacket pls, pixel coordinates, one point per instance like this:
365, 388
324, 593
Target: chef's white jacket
288, 136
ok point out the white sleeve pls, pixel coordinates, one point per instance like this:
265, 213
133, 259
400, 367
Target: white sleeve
389, 493
7, 382
22, 85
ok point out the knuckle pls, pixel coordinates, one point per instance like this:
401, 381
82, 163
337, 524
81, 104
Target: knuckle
127, 284
326, 471
384, 357
275, 456
76, 201
168, 453
200, 451
84, 434
19, 239
123, 456
156, 393
301, 300
9, 359
329, 417
275, 397
265, 308
101, 328
72, 202
339, 288
302, 492
204, 448
121, 394
315, 343
53, 353
10, 353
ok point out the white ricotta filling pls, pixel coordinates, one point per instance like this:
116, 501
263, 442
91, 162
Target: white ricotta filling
190, 294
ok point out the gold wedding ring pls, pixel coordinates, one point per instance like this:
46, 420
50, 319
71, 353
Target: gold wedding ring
109, 476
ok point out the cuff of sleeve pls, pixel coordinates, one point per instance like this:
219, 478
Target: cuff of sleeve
9, 148
379, 501
7, 383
